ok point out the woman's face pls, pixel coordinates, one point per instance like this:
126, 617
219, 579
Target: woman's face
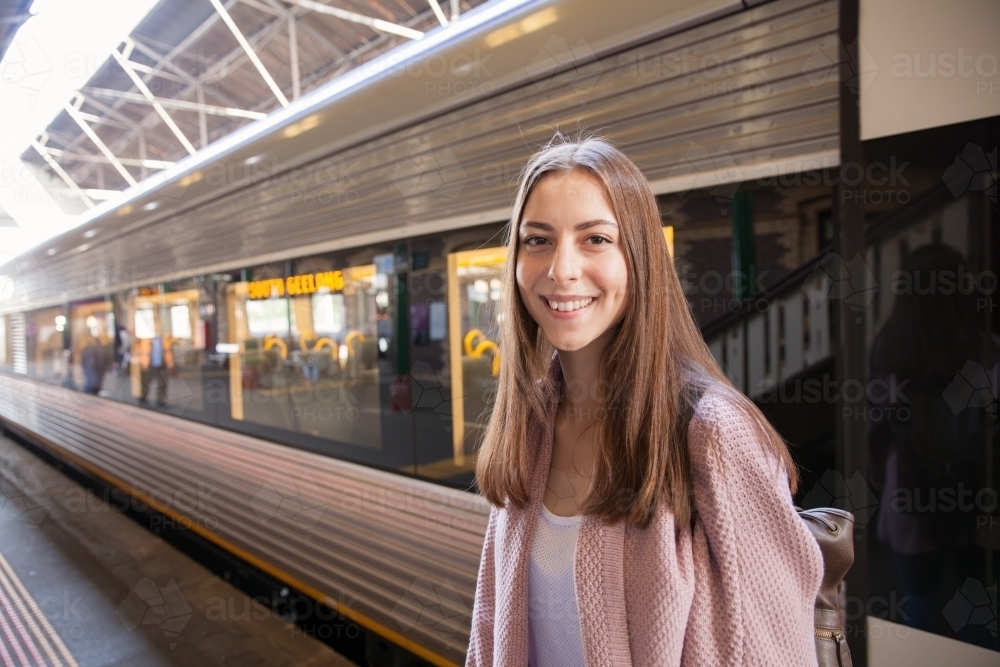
571, 270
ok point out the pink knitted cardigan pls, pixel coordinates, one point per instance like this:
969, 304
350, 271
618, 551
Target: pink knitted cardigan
736, 589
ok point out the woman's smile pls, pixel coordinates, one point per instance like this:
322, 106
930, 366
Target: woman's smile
566, 308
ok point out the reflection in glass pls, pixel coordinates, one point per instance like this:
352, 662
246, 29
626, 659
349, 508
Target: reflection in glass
93, 335
166, 348
932, 419
45, 342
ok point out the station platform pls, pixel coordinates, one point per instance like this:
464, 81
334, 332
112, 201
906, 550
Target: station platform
83, 585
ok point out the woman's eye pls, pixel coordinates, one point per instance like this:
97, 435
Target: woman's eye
534, 240
598, 240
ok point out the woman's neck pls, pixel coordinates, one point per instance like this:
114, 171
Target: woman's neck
583, 391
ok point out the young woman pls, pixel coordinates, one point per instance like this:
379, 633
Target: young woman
642, 505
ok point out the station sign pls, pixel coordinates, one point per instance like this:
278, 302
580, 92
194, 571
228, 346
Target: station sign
307, 283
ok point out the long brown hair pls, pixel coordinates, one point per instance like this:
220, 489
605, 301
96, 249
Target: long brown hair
654, 369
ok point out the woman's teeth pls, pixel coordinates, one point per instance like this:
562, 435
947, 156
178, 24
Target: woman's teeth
566, 306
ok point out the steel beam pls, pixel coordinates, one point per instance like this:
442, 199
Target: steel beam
202, 117
74, 113
251, 54
217, 67
148, 94
436, 7
55, 166
100, 159
375, 24
277, 9
159, 70
293, 56
177, 104
182, 76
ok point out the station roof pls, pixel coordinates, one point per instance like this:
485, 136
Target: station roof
194, 71
12, 15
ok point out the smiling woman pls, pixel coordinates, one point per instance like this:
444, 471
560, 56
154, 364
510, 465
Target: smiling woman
641, 502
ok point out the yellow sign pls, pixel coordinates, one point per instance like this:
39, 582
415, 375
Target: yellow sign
264, 289
307, 283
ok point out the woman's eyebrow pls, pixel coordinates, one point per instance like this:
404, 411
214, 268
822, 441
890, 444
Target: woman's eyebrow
586, 224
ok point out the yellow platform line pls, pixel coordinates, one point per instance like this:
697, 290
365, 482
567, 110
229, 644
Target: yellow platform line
290, 580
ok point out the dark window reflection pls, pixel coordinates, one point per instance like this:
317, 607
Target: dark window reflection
933, 349
930, 439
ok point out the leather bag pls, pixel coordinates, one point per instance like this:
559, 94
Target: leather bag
834, 531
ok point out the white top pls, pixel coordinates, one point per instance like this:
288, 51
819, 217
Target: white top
553, 616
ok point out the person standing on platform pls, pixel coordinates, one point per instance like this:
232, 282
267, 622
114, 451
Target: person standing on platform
642, 506
157, 365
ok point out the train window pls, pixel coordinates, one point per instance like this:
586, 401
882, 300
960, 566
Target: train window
453, 290
145, 322
180, 321
17, 354
92, 329
6, 361
308, 353
328, 313
161, 348
474, 290
46, 336
268, 316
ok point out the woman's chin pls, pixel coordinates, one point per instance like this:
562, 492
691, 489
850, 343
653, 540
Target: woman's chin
570, 343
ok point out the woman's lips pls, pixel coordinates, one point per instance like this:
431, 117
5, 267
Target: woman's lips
564, 309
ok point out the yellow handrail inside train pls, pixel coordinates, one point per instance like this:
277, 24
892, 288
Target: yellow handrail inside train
468, 340
319, 344
272, 340
492, 347
351, 337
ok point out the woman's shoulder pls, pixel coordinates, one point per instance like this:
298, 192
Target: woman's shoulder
717, 410
726, 432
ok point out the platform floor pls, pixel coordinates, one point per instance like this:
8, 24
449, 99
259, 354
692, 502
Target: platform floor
75, 572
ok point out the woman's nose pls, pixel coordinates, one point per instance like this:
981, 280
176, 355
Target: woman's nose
565, 266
